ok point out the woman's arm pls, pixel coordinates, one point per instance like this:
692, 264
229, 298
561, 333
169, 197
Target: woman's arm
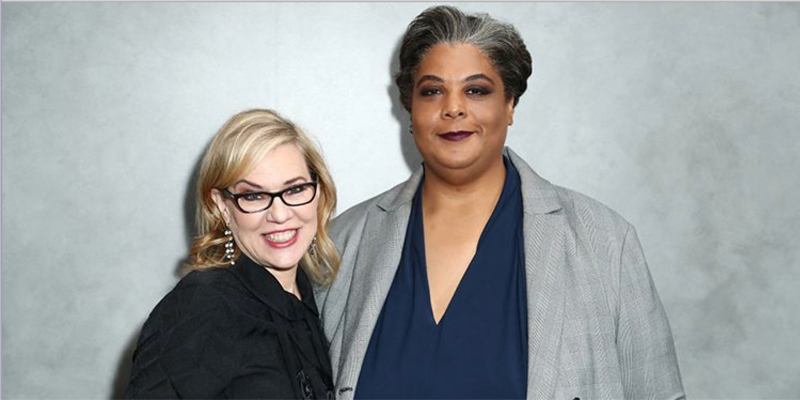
648, 364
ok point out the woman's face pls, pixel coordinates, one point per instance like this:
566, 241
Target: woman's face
459, 113
278, 236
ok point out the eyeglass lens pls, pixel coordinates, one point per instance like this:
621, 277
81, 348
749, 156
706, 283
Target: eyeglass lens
293, 196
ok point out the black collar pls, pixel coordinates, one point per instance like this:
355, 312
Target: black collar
269, 291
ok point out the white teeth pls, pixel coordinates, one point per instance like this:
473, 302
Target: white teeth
280, 237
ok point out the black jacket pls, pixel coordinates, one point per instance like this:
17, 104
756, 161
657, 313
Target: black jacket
232, 333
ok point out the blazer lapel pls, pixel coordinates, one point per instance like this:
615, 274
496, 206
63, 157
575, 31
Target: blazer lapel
379, 256
545, 257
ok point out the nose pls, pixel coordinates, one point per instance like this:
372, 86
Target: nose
279, 212
454, 106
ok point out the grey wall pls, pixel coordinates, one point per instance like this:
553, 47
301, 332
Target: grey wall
683, 117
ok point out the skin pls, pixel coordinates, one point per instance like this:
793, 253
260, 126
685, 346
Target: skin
458, 95
278, 237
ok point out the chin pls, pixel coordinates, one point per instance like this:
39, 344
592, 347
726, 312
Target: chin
453, 161
285, 262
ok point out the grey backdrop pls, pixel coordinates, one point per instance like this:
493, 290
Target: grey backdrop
683, 117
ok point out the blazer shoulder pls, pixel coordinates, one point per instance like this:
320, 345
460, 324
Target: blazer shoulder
346, 231
594, 225
344, 223
599, 231
349, 222
590, 215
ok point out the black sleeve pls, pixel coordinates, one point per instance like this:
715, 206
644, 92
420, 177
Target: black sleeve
186, 348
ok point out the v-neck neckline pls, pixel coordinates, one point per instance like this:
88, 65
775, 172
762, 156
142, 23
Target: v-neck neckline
420, 244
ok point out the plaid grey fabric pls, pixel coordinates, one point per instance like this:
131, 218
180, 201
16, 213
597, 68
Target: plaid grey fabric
596, 327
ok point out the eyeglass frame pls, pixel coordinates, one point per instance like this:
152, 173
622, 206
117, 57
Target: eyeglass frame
272, 195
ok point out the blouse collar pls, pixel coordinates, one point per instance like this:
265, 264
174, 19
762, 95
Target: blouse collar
262, 284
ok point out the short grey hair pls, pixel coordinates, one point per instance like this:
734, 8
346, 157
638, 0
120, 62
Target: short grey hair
446, 24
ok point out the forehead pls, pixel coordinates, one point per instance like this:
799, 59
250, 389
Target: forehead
455, 61
281, 164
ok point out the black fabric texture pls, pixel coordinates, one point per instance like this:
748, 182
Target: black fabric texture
232, 333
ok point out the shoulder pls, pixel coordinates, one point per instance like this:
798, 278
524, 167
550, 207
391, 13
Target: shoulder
202, 308
345, 223
187, 346
590, 215
202, 286
351, 222
347, 232
593, 226
581, 211
594, 230
207, 295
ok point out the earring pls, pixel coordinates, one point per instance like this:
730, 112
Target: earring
410, 130
229, 246
313, 248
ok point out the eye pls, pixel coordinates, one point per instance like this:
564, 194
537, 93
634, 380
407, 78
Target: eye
477, 91
254, 196
295, 190
427, 92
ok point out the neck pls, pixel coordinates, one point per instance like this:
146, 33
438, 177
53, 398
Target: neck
287, 278
456, 192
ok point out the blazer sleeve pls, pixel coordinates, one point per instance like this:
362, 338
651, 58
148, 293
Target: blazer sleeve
648, 363
186, 349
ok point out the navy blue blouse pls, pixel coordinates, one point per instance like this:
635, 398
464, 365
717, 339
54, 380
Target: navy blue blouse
479, 349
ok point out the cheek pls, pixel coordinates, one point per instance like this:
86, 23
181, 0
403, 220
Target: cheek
422, 125
311, 225
495, 119
421, 141
309, 215
246, 222
423, 115
490, 115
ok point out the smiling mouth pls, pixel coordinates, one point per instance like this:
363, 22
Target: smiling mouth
455, 136
281, 238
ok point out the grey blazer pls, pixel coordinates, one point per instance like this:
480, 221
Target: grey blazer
596, 327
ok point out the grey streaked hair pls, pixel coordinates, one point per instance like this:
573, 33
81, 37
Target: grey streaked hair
446, 24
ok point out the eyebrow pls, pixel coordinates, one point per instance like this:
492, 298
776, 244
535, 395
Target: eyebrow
248, 182
433, 78
293, 180
287, 182
478, 77
470, 78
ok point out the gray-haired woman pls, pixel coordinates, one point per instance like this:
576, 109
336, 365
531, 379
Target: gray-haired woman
476, 278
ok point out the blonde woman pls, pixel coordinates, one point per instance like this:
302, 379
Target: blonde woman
243, 323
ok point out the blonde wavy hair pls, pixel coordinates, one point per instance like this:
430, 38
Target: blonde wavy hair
233, 153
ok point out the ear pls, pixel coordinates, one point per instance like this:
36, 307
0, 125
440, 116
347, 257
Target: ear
510, 112
219, 201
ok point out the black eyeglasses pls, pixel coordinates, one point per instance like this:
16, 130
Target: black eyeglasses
293, 196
